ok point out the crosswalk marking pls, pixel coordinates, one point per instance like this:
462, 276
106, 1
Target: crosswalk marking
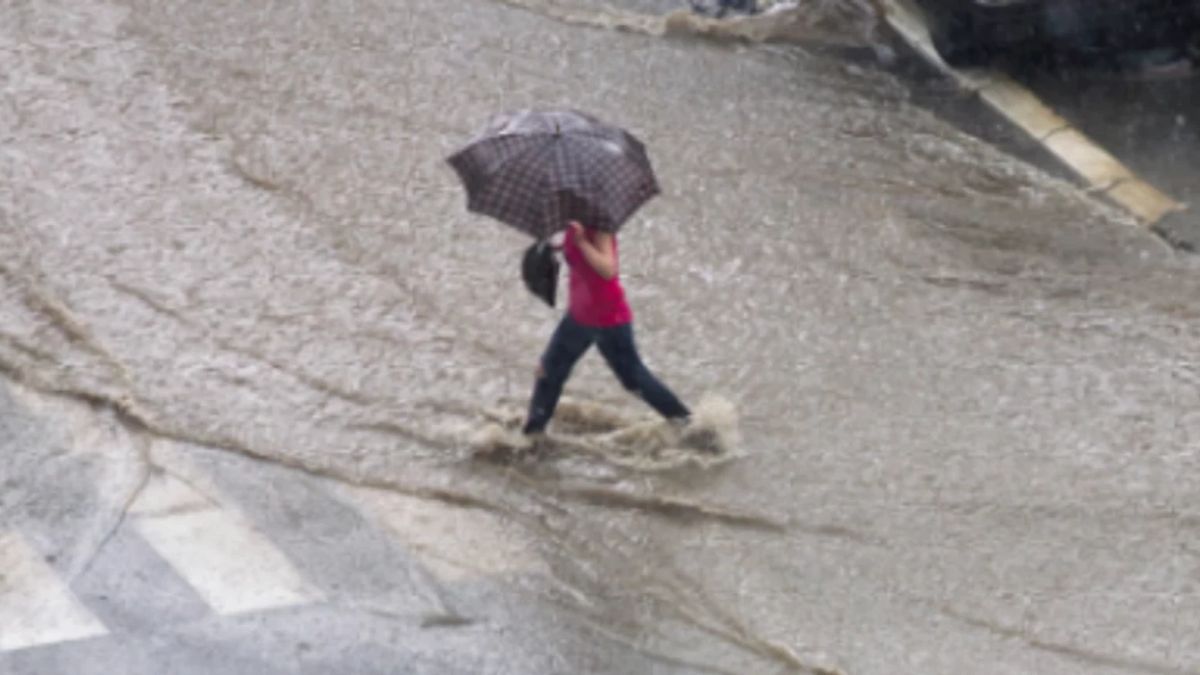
233, 567
455, 543
165, 494
36, 608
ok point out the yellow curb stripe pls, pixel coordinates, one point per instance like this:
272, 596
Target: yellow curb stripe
1103, 173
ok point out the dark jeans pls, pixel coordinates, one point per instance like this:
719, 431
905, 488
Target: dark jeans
570, 341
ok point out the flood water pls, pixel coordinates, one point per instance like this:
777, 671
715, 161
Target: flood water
966, 391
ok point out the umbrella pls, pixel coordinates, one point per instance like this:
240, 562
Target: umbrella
537, 170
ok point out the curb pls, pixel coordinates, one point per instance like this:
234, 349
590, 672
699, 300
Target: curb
1178, 231
1104, 174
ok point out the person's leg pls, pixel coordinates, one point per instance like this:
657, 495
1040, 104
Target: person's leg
569, 342
619, 350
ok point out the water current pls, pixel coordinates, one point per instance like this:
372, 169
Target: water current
963, 391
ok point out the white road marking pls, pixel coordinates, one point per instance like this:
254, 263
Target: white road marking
455, 543
230, 565
165, 494
36, 608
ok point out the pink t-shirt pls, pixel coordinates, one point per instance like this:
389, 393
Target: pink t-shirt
594, 301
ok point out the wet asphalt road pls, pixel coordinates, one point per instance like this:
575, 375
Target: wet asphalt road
967, 390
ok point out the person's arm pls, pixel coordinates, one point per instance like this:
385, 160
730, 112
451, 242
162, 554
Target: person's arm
599, 254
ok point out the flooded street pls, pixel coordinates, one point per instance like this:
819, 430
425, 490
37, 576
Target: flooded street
966, 391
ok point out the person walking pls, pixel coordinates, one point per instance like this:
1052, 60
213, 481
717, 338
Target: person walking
597, 314
541, 171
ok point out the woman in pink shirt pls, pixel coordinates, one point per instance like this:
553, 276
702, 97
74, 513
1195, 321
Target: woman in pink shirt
597, 314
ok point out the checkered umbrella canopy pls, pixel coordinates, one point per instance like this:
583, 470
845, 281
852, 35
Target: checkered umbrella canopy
537, 170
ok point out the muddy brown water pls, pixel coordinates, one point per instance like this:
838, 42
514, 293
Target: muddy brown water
967, 391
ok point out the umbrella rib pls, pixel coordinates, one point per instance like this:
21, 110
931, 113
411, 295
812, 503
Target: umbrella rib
517, 156
525, 163
490, 178
603, 195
